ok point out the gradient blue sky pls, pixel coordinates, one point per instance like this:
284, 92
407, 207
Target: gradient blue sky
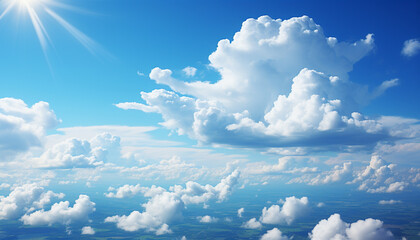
253, 152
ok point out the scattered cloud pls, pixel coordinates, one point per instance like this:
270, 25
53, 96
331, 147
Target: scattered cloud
207, 219
411, 47
335, 228
292, 208
87, 230
252, 223
164, 206
62, 213
240, 212
190, 71
124, 191
388, 202
274, 234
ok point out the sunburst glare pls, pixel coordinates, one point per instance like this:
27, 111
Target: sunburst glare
36, 8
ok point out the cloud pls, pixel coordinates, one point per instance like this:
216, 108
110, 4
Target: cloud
337, 174
78, 153
252, 223
207, 219
386, 202
274, 234
164, 206
124, 191
379, 177
411, 47
292, 208
23, 127
87, 230
283, 84
335, 228
25, 198
384, 86
62, 213
240, 212
190, 71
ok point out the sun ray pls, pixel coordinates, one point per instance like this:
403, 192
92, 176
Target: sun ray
86, 41
40, 30
8, 8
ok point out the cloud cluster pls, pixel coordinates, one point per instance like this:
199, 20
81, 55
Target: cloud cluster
62, 213
411, 47
25, 198
123, 191
78, 153
165, 206
335, 228
379, 177
207, 219
283, 83
292, 208
274, 234
22, 127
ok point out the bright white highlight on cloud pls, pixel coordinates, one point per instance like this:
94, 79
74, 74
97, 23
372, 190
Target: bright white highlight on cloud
124, 191
335, 228
411, 48
283, 83
164, 206
292, 208
25, 198
87, 230
274, 234
22, 127
62, 213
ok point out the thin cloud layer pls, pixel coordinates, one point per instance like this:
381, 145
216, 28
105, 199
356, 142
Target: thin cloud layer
283, 84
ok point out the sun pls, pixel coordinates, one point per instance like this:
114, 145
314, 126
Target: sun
36, 8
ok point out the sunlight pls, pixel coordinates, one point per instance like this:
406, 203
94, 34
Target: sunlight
34, 8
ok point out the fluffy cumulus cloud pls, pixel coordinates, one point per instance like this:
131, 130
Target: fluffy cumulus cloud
22, 127
123, 191
380, 176
411, 47
292, 208
24, 199
274, 234
252, 223
335, 228
207, 219
62, 213
78, 153
165, 206
190, 71
283, 83
240, 212
87, 230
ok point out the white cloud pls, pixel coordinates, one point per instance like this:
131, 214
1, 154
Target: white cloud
87, 230
337, 174
274, 234
411, 47
252, 223
335, 228
240, 212
164, 206
283, 84
292, 208
22, 127
207, 219
78, 153
123, 191
25, 198
379, 177
4, 185
62, 213
385, 202
190, 71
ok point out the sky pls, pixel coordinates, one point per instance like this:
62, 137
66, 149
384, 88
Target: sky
215, 119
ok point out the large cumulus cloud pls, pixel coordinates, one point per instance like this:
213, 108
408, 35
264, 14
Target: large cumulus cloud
283, 83
22, 127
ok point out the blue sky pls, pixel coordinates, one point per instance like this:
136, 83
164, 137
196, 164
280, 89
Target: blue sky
305, 96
